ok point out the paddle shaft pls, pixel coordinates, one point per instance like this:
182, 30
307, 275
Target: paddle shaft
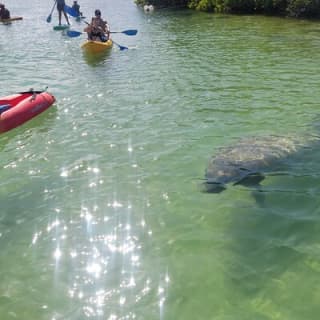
49, 16
120, 46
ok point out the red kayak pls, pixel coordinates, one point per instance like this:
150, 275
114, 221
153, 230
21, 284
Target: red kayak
18, 108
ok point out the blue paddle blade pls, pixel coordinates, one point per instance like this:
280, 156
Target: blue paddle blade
130, 32
70, 11
49, 18
120, 47
73, 33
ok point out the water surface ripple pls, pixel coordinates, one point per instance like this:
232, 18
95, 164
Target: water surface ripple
101, 211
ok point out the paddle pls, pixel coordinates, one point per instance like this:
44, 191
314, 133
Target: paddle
49, 16
120, 47
73, 33
130, 32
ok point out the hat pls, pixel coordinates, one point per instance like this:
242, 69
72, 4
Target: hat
1, 5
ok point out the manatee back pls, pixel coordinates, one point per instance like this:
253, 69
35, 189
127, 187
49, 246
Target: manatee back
249, 156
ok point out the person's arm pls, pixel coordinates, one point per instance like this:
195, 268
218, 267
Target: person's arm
105, 26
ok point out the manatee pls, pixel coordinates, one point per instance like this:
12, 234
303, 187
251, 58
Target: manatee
248, 161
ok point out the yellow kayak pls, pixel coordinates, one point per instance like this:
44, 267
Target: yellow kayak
96, 46
10, 19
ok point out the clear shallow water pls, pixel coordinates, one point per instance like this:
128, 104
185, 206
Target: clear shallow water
101, 212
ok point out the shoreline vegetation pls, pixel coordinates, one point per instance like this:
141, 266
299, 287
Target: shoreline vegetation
286, 8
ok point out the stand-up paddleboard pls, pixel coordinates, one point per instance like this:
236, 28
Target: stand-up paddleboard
61, 27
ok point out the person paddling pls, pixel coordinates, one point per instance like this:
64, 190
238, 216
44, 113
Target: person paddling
60, 8
76, 8
98, 29
4, 12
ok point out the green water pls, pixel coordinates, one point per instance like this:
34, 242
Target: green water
101, 213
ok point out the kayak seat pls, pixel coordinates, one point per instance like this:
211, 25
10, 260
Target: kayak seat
4, 107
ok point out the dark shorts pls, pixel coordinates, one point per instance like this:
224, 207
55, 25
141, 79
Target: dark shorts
102, 37
60, 7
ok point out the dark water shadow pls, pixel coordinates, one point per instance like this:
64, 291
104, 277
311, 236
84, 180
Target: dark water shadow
39, 124
96, 59
17, 194
275, 237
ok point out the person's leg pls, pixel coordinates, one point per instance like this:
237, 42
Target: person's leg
103, 38
65, 15
59, 18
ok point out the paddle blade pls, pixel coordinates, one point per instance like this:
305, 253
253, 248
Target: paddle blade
132, 32
49, 18
120, 47
70, 11
73, 33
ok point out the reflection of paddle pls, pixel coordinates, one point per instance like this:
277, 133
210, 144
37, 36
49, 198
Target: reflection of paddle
73, 33
49, 16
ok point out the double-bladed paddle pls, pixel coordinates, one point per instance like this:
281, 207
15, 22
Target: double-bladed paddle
73, 33
50, 15
130, 32
120, 46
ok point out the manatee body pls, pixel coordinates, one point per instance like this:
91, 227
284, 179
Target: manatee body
246, 162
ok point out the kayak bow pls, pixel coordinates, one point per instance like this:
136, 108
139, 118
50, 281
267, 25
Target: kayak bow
96, 46
19, 108
10, 19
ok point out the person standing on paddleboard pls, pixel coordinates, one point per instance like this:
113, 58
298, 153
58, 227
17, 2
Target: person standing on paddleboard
60, 7
4, 12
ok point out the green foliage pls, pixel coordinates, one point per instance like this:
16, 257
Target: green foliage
202, 5
240, 6
164, 3
303, 8
294, 8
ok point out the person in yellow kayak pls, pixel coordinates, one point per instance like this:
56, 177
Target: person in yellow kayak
98, 29
4, 12
60, 8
